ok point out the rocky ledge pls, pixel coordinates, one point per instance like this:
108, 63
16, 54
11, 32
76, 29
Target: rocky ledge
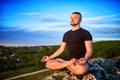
100, 69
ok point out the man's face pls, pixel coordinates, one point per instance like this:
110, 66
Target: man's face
75, 19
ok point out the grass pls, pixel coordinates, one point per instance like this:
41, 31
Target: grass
38, 76
11, 73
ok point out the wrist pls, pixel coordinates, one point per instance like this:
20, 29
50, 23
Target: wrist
86, 59
50, 58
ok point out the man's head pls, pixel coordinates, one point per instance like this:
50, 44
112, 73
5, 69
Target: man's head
75, 19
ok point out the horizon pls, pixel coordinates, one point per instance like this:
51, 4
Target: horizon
44, 22
47, 45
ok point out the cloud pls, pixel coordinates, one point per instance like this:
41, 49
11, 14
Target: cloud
103, 27
30, 38
103, 21
34, 21
46, 22
101, 17
60, 27
32, 17
30, 13
44, 31
13, 28
43, 17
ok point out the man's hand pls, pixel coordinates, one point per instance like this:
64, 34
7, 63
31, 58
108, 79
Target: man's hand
45, 59
82, 61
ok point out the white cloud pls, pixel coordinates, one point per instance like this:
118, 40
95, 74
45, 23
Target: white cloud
43, 17
38, 15
101, 25
50, 27
100, 17
50, 22
30, 13
103, 21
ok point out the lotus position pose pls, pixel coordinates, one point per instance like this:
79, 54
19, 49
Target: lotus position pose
78, 42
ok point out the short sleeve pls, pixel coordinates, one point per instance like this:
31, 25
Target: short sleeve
64, 38
87, 36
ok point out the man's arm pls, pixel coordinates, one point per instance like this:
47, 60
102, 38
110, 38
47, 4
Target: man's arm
56, 54
88, 45
59, 51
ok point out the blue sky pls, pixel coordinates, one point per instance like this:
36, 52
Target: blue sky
44, 22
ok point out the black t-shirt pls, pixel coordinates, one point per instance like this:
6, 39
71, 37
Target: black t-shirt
75, 42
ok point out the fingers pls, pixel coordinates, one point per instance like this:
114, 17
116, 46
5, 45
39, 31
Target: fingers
42, 60
82, 61
45, 58
73, 59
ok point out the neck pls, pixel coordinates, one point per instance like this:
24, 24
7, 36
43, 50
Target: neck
75, 27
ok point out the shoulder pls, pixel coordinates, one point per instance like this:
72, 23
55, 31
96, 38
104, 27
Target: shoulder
87, 34
68, 32
85, 31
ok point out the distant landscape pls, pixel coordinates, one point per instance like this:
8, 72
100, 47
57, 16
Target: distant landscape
19, 60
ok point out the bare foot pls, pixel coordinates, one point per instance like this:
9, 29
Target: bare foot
71, 62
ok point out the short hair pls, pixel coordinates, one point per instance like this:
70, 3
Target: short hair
78, 13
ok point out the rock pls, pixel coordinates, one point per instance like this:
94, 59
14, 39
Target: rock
50, 78
100, 69
89, 77
104, 69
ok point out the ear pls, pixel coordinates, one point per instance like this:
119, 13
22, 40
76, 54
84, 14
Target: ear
80, 19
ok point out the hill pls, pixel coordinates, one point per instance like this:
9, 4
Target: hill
106, 49
27, 59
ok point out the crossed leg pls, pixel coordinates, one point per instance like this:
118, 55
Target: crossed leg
57, 64
77, 69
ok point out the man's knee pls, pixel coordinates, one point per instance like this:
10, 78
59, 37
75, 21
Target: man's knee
82, 70
49, 64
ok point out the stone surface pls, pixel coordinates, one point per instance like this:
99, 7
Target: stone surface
100, 69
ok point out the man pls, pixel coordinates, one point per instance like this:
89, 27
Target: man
78, 42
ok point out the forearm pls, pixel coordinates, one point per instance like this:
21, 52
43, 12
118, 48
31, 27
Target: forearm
88, 55
56, 54
59, 51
